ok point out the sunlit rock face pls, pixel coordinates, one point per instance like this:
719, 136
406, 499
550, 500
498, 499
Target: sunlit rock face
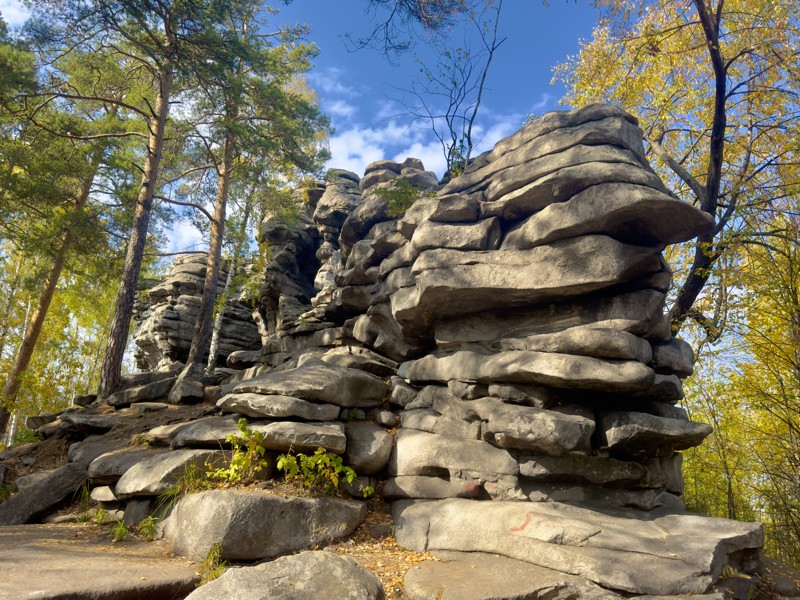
499, 349
167, 312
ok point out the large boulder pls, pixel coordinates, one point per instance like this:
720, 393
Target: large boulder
257, 525
662, 553
304, 576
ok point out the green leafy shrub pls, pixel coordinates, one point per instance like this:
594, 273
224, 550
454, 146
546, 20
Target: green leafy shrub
247, 460
5, 492
399, 197
322, 470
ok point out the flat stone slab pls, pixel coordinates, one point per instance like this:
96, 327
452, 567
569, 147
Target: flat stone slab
45, 490
319, 381
75, 561
656, 553
477, 576
304, 576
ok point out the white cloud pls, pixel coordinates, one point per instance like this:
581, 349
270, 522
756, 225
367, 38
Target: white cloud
330, 81
13, 12
184, 236
339, 108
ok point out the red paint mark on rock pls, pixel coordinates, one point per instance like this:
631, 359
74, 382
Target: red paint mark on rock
525, 523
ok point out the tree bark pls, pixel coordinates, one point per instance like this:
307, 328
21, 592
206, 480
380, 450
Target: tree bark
706, 252
201, 341
111, 371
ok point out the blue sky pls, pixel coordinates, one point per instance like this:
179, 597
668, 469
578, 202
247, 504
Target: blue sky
359, 90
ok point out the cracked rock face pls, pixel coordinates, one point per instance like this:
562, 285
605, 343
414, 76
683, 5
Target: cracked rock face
168, 309
512, 326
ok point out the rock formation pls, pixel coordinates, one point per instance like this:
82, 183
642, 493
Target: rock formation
166, 316
496, 358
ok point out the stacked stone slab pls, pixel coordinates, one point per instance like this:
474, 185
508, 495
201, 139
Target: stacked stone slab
529, 295
168, 311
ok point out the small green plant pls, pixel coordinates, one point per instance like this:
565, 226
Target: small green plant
368, 491
148, 528
194, 479
5, 492
118, 532
400, 197
100, 515
247, 460
320, 470
212, 566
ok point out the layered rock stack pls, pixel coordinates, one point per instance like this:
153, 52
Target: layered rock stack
536, 283
167, 313
495, 359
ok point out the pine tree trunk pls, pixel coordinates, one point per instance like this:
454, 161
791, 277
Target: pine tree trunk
126, 295
201, 341
215, 333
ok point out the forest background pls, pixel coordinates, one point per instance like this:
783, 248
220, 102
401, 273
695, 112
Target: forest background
88, 89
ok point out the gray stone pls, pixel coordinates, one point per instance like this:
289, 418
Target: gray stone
136, 511
483, 235
634, 433
257, 525
406, 487
473, 461
662, 553
565, 183
276, 406
37, 497
511, 278
189, 385
640, 313
84, 399
155, 475
368, 447
675, 356
592, 470
553, 132
530, 428
321, 382
629, 213
598, 342
143, 393
402, 393
362, 359
557, 370
93, 446
103, 493
90, 423
77, 562
476, 576
281, 435
36, 421
304, 576
429, 420
109, 467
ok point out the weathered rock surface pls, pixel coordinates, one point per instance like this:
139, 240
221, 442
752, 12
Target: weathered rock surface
155, 475
304, 576
257, 525
476, 576
318, 381
41, 494
55, 562
662, 554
